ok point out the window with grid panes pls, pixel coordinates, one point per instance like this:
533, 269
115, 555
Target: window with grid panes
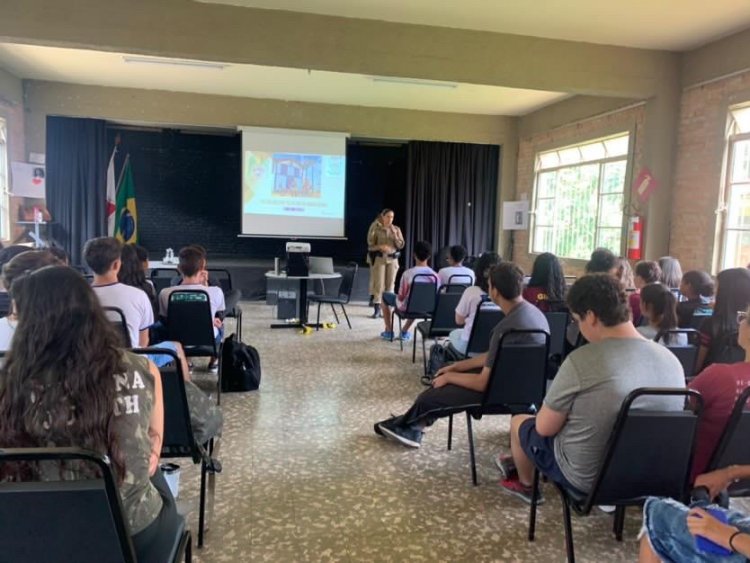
579, 197
4, 204
735, 251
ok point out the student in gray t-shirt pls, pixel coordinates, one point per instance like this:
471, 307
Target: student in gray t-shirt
462, 384
567, 438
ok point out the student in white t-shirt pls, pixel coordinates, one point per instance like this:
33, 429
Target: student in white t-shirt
21, 264
103, 256
467, 307
456, 269
192, 267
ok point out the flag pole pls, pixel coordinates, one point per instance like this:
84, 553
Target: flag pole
122, 172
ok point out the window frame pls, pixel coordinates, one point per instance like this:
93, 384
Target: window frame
628, 157
5, 227
726, 191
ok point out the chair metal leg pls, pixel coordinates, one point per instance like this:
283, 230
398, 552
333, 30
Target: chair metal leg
424, 354
534, 500
346, 316
471, 451
189, 548
400, 340
414, 346
393, 315
317, 320
450, 431
202, 505
619, 522
568, 529
335, 314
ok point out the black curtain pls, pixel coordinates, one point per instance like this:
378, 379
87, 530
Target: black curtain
451, 196
77, 159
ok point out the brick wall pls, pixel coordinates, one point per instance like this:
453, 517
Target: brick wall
632, 119
698, 167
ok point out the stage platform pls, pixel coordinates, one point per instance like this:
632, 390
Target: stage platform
249, 276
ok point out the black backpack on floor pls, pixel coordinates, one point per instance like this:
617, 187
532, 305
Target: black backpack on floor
240, 366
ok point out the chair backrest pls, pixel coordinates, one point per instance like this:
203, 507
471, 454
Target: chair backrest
519, 371
73, 520
117, 317
485, 319
189, 319
461, 279
686, 353
733, 447
558, 325
347, 281
422, 295
222, 276
178, 438
649, 452
162, 278
454, 288
444, 317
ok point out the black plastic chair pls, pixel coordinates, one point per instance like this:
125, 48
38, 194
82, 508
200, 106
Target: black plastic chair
77, 520
442, 323
733, 448
558, 325
179, 441
420, 304
517, 383
461, 279
649, 453
343, 297
117, 317
686, 353
485, 319
162, 278
189, 322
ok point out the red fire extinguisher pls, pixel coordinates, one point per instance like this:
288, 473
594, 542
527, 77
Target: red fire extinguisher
635, 237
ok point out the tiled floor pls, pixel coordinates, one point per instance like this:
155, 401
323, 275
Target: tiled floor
306, 479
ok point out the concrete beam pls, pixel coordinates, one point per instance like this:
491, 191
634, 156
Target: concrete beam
179, 28
721, 58
11, 88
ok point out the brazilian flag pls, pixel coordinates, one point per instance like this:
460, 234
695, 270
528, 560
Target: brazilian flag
126, 216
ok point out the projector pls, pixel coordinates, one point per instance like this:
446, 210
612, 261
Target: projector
298, 247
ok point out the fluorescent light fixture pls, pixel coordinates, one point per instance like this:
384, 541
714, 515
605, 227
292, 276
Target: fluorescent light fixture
413, 82
173, 62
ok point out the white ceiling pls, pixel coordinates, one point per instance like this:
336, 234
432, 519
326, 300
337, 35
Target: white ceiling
253, 81
674, 25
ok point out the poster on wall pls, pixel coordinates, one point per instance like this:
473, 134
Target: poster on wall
515, 215
27, 180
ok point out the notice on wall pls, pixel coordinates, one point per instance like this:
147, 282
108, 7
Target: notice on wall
27, 180
515, 215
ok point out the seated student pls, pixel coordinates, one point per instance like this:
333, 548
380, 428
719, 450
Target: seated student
422, 254
720, 385
645, 273
101, 256
470, 298
602, 261
231, 297
6, 255
48, 375
22, 264
192, 267
59, 253
567, 439
464, 382
718, 330
456, 269
671, 272
670, 528
658, 308
142, 257
131, 273
624, 273
698, 290
546, 288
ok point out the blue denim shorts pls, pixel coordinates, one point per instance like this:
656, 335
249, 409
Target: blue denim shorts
389, 298
541, 451
665, 523
161, 360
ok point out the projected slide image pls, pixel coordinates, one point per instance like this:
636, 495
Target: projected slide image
291, 184
297, 175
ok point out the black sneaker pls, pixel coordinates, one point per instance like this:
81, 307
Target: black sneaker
407, 435
388, 421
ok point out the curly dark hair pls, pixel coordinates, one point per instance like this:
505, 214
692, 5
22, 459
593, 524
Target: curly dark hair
602, 261
131, 273
601, 294
482, 269
58, 385
548, 274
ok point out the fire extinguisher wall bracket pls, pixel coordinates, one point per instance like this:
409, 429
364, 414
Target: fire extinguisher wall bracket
635, 237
